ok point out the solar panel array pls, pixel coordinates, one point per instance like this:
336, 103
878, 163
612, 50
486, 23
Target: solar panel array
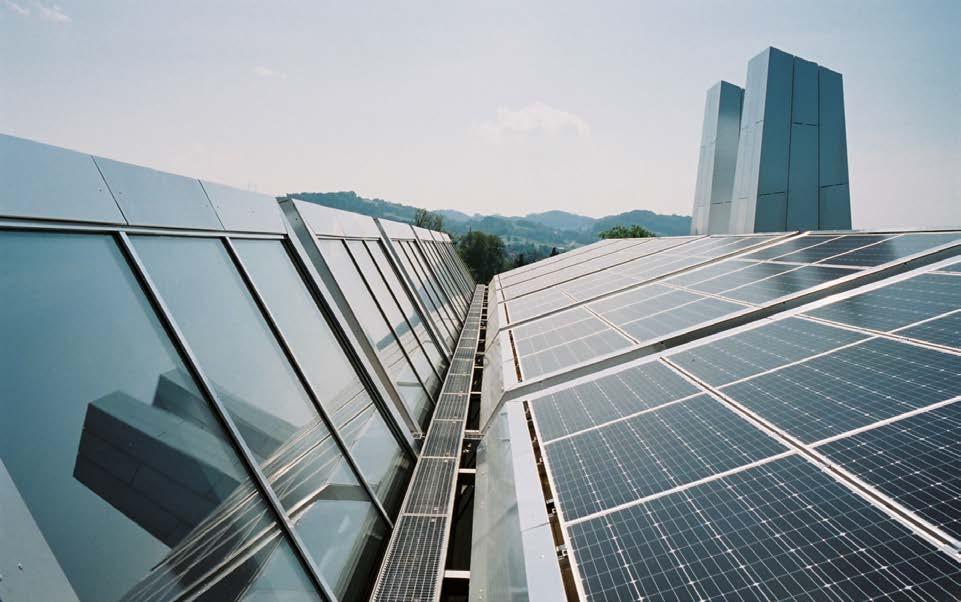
811, 453
683, 284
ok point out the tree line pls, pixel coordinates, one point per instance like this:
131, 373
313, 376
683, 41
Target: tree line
486, 254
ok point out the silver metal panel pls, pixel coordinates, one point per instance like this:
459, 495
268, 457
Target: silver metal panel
243, 210
833, 168
776, 134
834, 207
397, 230
802, 198
47, 182
155, 198
718, 158
326, 221
770, 212
805, 101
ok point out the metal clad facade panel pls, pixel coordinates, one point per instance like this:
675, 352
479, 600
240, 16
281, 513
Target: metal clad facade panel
46, 182
244, 210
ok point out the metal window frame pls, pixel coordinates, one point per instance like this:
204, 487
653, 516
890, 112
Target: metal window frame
430, 251
192, 363
438, 295
454, 301
417, 282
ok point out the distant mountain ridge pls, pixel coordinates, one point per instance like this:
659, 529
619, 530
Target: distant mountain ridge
533, 234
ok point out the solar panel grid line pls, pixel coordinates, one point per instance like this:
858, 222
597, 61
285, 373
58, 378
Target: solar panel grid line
512, 275
930, 532
655, 278
607, 266
841, 259
943, 331
561, 520
717, 296
886, 421
557, 267
683, 487
612, 325
623, 418
891, 336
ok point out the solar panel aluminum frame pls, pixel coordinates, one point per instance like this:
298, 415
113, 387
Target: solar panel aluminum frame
880, 273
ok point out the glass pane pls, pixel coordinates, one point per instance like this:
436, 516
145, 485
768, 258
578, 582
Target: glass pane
375, 327
337, 385
134, 489
272, 573
437, 313
240, 355
434, 259
430, 286
455, 309
405, 333
412, 314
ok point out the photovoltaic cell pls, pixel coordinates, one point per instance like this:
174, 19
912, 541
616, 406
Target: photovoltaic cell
941, 331
573, 352
652, 452
894, 248
760, 349
895, 305
789, 246
850, 388
608, 398
916, 461
779, 531
787, 283
680, 318
954, 268
839, 245
747, 275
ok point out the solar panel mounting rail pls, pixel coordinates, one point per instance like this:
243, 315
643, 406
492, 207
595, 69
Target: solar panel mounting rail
413, 567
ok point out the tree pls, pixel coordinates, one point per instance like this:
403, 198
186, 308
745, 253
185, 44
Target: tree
428, 219
633, 231
483, 253
554, 252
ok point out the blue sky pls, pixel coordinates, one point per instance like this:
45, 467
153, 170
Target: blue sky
506, 107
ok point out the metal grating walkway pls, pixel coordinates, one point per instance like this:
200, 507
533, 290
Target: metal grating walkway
413, 566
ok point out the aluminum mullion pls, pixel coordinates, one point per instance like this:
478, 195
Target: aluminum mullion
437, 296
303, 378
455, 299
87, 227
245, 454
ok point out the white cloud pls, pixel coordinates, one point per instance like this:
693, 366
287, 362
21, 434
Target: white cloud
17, 8
261, 71
52, 13
535, 117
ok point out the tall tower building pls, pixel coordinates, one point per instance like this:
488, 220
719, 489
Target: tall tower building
715, 168
792, 167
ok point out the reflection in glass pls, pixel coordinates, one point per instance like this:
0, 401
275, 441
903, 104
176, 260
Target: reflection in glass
430, 288
434, 259
418, 257
239, 354
391, 353
321, 356
116, 480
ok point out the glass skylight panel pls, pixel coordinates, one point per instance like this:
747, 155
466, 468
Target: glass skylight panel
379, 333
443, 277
110, 456
914, 460
760, 349
440, 295
898, 304
895, 248
608, 398
779, 531
850, 388
338, 387
670, 446
437, 311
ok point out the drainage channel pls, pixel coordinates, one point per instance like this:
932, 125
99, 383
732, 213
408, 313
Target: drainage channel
428, 556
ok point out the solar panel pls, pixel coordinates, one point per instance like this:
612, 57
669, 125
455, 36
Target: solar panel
916, 461
673, 445
954, 268
680, 318
760, 349
894, 248
941, 331
747, 274
899, 304
573, 352
785, 284
779, 531
789, 246
608, 398
836, 246
850, 388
